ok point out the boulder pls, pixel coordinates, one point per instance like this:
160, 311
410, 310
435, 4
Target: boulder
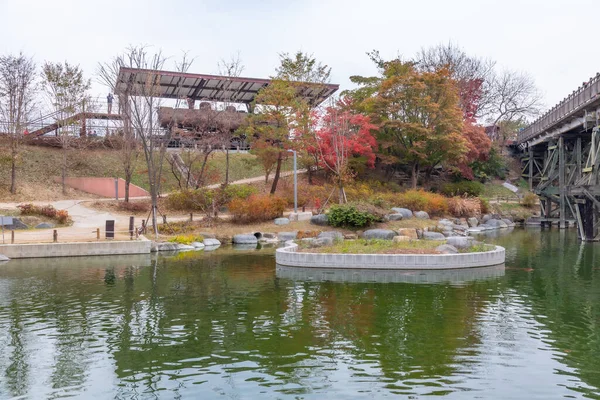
210, 242
508, 222
492, 223
421, 215
245, 239
486, 218
268, 237
448, 233
460, 242
163, 246
406, 213
410, 232
300, 216
282, 221
322, 241
385, 234
227, 239
184, 247
433, 236
321, 220
460, 228
394, 217
18, 224
334, 235
350, 236
445, 222
45, 225
477, 229
198, 245
472, 222
401, 238
447, 249
4, 258
496, 223
285, 236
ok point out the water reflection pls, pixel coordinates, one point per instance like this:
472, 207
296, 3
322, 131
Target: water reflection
452, 276
230, 323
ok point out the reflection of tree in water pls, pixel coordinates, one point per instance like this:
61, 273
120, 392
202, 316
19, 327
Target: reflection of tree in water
563, 292
17, 369
416, 330
230, 310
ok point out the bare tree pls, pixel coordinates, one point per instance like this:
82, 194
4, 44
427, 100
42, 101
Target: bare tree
17, 92
474, 76
127, 144
228, 121
142, 99
66, 89
514, 97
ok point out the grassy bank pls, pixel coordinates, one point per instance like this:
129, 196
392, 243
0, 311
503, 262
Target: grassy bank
39, 166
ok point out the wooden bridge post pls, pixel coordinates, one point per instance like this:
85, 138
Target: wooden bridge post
531, 168
561, 183
578, 158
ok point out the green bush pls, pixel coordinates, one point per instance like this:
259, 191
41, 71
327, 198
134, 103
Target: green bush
191, 200
493, 166
348, 215
469, 188
238, 192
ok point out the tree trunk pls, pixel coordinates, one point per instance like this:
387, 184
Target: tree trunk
415, 175
13, 175
154, 220
342, 193
277, 173
310, 175
227, 166
64, 172
127, 182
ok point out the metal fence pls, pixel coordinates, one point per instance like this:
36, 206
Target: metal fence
584, 95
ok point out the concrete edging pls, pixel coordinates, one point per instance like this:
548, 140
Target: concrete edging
74, 249
289, 257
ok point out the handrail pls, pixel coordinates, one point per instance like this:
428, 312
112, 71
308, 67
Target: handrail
573, 102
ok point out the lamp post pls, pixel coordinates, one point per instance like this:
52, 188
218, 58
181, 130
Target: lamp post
295, 182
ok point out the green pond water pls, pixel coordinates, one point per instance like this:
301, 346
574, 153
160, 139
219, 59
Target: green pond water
231, 324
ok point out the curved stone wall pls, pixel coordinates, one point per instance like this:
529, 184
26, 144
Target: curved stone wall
288, 256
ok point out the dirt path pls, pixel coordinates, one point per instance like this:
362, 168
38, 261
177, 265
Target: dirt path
86, 219
256, 179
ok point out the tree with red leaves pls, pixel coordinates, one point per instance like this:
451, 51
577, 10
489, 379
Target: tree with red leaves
342, 135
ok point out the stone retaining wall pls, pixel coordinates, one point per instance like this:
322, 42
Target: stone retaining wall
42, 250
290, 257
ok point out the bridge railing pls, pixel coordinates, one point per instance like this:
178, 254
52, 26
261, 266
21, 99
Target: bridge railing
580, 97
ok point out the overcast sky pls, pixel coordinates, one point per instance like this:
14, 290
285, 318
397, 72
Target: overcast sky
550, 39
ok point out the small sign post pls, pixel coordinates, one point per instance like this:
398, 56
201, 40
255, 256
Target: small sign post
5, 221
110, 229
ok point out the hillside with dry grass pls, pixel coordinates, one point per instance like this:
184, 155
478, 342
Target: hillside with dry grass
40, 166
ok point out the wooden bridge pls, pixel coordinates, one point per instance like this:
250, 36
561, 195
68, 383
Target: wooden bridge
561, 160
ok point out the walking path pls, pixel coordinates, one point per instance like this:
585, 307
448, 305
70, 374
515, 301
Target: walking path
86, 219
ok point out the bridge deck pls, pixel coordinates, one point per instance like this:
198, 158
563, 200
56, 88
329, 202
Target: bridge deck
586, 97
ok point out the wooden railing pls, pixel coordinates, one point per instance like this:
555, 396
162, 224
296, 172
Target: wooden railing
586, 93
